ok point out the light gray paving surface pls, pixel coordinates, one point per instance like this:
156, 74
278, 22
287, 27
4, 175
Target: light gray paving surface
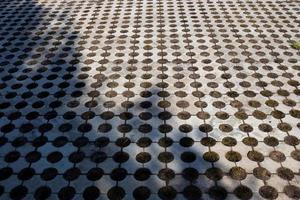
149, 99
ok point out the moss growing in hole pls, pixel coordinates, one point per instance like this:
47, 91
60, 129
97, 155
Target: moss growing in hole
295, 45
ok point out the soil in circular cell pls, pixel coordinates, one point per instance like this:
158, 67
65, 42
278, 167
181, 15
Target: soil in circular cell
167, 193
188, 157
145, 116
33, 156
144, 142
145, 128
46, 80
226, 128
66, 193
18, 192
200, 104
182, 104
261, 173
208, 141
165, 142
186, 142
243, 192
211, 156
95, 174
259, 115
190, 174
118, 174
229, 141
143, 157
71, 174
284, 127
26, 173
142, 174
238, 173
81, 141
236, 104
85, 127
285, 173
246, 128
120, 157
289, 102
5, 173
255, 156
166, 174
165, 128
271, 141
206, 128
277, 114
296, 154
192, 192
49, 174
123, 142
165, 157
165, 115
141, 193
222, 115
124, 128
91, 192
250, 141
268, 192
115, 193
12, 156
272, 103
39, 141
217, 192
214, 174
76, 157
101, 142
241, 115
185, 128
277, 156
219, 104
126, 115
104, 128
295, 113
203, 115
107, 115
233, 156
42, 192
291, 140
292, 191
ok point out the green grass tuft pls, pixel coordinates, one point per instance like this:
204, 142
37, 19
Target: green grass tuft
296, 45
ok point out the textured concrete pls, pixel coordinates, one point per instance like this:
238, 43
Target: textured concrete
149, 99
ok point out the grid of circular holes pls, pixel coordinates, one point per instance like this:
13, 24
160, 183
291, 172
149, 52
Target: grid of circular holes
73, 65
